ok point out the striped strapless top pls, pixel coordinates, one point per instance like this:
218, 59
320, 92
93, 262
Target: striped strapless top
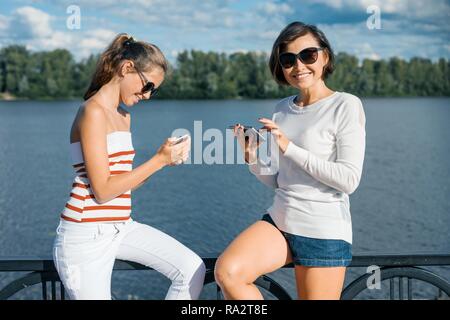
82, 206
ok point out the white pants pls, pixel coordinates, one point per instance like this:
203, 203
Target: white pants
84, 255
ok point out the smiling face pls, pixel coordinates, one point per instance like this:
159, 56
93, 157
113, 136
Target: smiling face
305, 76
131, 83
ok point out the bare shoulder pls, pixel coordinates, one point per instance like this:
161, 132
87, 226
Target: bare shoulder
91, 110
88, 113
92, 116
91, 113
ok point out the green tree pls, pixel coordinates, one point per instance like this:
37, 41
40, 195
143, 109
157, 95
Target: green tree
14, 65
211, 75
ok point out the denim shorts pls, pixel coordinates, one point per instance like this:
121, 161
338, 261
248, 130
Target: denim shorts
312, 252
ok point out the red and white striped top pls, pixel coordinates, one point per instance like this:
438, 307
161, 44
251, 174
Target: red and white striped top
82, 206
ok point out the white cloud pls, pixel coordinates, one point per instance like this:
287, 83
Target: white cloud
184, 15
4, 23
80, 44
95, 41
176, 25
32, 27
365, 51
54, 41
275, 8
194, 15
391, 40
28, 22
229, 22
205, 25
389, 6
410, 8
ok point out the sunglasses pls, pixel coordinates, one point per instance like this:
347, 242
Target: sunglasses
148, 85
306, 56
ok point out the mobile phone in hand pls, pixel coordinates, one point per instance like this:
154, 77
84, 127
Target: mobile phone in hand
253, 130
180, 139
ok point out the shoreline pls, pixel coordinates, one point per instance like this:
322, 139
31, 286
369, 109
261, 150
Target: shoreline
9, 98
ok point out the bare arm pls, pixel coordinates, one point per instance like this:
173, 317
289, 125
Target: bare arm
106, 187
139, 185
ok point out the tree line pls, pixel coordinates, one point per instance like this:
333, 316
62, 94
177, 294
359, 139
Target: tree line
211, 75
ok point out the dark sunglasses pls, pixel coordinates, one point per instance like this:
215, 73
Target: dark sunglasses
148, 85
306, 56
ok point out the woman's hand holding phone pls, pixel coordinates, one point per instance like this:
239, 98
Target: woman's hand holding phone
175, 151
249, 143
278, 135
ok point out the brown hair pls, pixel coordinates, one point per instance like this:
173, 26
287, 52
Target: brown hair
145, 56
289, 34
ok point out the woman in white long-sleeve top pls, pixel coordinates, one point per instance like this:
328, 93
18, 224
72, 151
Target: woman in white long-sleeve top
319, 137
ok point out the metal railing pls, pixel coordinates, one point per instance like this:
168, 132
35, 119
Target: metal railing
403, 268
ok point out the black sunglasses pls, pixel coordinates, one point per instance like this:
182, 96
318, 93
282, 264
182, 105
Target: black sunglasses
148, 85
307, 56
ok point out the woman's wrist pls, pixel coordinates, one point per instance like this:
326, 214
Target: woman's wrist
159, 161
250, 157
283, 143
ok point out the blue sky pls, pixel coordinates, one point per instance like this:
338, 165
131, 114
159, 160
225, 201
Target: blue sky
408, 28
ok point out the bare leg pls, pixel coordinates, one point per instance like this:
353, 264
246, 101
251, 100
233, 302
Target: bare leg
319, 283
258, 250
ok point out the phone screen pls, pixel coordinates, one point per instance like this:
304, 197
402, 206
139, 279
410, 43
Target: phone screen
258, 135
180, 139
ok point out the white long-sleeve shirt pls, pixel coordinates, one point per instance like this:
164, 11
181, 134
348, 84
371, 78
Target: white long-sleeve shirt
321, 166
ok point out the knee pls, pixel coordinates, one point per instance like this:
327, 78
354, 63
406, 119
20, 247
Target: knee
194, 268
200, 268
228, 272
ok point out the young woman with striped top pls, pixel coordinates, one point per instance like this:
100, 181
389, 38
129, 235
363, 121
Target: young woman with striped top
95, 226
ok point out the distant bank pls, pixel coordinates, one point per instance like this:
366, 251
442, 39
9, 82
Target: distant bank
51, 75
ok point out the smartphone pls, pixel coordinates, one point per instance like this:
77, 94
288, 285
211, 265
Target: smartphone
180, 139
253, 130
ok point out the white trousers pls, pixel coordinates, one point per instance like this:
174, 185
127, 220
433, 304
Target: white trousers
84, 255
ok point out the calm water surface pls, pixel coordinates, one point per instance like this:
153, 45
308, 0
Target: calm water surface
401, 206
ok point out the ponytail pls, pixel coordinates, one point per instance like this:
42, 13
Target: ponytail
145, 56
